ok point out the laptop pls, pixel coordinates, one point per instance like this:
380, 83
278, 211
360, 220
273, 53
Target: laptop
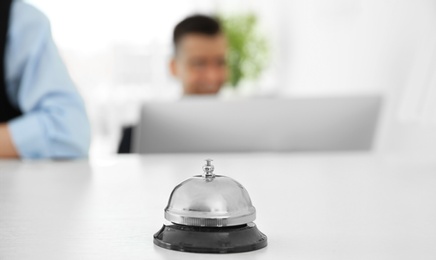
211, 125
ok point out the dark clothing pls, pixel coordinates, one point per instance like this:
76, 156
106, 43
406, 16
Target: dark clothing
125, 145
7, 110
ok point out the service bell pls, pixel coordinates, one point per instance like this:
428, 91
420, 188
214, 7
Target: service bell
210, 213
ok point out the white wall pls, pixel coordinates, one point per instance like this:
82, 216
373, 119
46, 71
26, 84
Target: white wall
342, 46
352, 45
319, 46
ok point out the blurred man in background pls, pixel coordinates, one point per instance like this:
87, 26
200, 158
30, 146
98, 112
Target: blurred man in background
41, 112
199, 61
200, 50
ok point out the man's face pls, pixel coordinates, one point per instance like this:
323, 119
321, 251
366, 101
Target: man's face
200, 63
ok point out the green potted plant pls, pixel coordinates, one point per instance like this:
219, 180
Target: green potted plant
248, 49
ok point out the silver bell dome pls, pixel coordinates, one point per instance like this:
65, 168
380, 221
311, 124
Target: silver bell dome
210, 200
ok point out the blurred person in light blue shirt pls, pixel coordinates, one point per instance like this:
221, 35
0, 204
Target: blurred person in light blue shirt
41, 113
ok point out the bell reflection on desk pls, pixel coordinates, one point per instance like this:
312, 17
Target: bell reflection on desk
210, 214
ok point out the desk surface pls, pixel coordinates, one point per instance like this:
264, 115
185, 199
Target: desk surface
311, 206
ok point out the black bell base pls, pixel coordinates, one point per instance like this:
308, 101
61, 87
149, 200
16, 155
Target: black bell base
219, 240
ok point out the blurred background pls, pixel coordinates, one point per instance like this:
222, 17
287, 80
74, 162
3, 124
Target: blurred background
118, 53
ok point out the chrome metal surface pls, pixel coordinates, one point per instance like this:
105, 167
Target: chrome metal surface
210, 200
208, 168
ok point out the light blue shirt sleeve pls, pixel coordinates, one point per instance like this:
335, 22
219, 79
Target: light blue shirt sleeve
54, 122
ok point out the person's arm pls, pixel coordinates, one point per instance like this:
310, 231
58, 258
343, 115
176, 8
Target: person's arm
54, 122
7, 148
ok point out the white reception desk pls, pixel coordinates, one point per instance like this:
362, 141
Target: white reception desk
311, 206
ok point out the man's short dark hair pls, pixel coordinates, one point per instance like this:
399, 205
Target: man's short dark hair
196, 24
